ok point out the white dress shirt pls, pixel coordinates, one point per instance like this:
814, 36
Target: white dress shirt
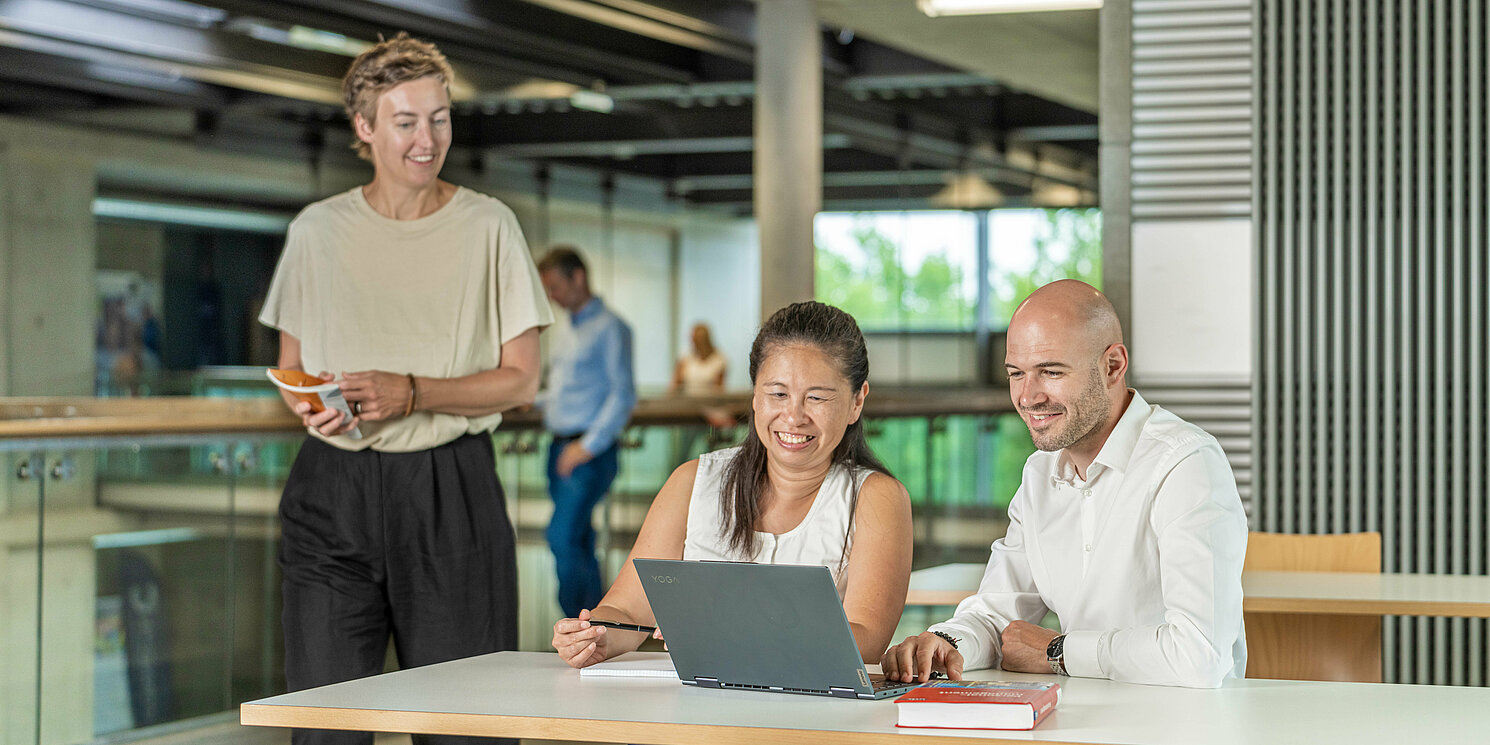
1142, 561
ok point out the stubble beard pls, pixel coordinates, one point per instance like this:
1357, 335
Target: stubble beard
1090, 414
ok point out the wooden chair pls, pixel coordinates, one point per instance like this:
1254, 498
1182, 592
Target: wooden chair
1297, 646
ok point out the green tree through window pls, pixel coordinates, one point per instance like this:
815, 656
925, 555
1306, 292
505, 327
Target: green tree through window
917, 271
899, 270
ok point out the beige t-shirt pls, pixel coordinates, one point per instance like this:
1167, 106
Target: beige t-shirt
436, 297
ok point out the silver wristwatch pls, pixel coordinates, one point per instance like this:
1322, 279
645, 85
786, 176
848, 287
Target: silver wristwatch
1055, 654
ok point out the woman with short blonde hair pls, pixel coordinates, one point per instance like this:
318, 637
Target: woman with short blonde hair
423, 298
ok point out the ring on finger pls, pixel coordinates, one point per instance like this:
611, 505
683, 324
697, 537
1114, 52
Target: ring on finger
356, 408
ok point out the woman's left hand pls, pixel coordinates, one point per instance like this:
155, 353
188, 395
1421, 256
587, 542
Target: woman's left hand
376, 395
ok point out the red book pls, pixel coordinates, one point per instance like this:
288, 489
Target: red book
978, 704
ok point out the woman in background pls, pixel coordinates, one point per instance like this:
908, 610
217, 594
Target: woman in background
700, 372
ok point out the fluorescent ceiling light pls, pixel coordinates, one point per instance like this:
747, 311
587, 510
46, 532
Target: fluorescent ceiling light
592, 101
936, 8
170, 11
306, 37
182, 214
300, 37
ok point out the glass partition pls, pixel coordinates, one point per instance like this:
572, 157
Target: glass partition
141, 573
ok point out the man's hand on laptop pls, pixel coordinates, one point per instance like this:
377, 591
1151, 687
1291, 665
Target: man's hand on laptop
916, 658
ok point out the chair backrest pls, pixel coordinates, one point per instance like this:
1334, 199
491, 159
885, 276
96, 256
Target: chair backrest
1298, 646
1279, 552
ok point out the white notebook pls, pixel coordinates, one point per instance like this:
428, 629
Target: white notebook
633, 665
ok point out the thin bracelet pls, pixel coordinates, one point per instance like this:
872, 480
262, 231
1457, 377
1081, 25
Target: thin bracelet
413, 394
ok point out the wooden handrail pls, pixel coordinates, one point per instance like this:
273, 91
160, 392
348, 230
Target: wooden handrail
77, 416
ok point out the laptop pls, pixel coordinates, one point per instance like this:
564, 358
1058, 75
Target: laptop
759, 627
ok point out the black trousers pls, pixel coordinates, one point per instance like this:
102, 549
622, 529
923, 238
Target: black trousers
413, 545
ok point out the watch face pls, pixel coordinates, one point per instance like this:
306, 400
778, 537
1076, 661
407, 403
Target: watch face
1057, 646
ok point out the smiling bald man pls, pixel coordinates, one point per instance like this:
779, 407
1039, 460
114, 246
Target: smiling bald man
1127, 524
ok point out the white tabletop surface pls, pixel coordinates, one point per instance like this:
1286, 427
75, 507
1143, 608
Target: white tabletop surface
1282, 592
1363, 593
534, 695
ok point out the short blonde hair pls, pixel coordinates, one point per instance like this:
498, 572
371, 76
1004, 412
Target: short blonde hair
385, 65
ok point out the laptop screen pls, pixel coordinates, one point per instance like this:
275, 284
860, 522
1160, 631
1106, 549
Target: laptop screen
753, 625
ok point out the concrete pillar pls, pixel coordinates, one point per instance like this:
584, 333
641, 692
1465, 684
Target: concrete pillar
788, 147
47, 287
47, 309
1115, 153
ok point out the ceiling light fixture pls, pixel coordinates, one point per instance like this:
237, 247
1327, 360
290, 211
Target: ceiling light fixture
936, 8
592, 101
967, 190
1048, 193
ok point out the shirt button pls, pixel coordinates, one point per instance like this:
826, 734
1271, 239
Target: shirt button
1086, 492
1087, 548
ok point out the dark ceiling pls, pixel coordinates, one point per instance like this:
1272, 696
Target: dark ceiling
237, 75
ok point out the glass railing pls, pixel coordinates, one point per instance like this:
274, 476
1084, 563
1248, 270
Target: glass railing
138, 539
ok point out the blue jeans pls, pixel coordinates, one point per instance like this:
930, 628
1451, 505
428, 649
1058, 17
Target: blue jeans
570, 533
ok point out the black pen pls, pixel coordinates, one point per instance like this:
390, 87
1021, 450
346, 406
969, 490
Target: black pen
623, 626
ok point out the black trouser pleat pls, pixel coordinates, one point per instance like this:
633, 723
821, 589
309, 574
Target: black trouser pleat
416, 546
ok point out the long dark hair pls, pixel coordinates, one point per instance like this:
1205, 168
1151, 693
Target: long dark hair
836, 335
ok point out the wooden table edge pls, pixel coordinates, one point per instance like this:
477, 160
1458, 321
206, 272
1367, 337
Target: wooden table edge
559, 728
937, 597
1270, 604
1359, 607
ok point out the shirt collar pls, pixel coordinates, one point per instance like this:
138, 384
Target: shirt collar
1117, 451
588, 309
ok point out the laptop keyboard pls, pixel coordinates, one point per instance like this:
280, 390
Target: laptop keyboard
879, 682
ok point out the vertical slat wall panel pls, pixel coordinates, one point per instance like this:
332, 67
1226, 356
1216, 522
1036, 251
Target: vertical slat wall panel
1370, 236
1192, 160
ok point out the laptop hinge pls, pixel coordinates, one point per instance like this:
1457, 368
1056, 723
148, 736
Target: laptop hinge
706, 682
843, 692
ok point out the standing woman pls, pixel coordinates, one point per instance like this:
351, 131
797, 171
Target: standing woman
423, 298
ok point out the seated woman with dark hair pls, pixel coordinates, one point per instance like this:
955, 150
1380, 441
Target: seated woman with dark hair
803, 488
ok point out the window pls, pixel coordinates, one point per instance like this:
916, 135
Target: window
1032, 247
900, 270
917, 271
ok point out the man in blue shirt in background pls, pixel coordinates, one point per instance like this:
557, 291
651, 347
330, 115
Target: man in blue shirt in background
587, 404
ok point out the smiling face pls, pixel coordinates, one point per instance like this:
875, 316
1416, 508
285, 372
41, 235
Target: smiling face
803, 404
1057, 382
410, 134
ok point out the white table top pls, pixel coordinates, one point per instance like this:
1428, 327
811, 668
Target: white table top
1282, 592
534, 695
1367, 594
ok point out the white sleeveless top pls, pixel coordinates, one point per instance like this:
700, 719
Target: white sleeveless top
699, 375
819, 539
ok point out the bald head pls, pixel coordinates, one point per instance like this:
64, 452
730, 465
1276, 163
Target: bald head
1067, 368
1072, 310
